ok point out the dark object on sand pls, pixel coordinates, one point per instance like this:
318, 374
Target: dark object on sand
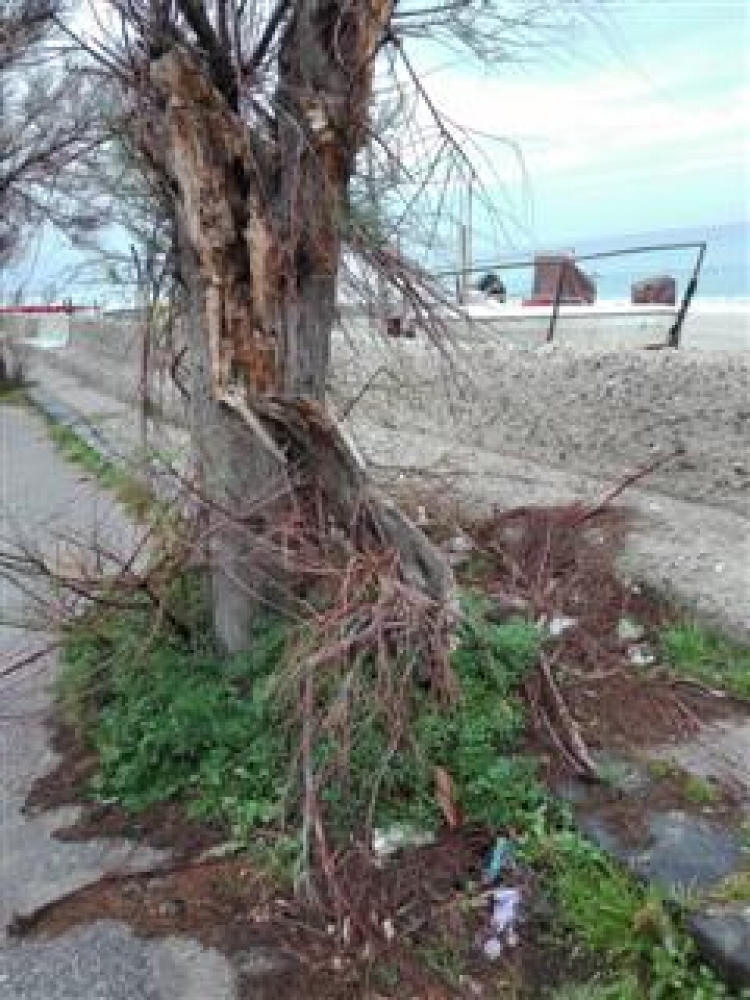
658, 290
491, 285
398, 326
558, 277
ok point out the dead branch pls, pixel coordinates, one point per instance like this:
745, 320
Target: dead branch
565, 724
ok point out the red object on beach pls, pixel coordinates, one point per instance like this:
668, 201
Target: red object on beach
36, 310
559, 275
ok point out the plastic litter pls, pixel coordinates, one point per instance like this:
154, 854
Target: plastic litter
559, 624
492, 948
505, 906
504, 916
460, 544
629, 630
500, 857
395, 838
641, 656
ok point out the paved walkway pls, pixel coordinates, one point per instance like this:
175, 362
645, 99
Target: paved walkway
40, 496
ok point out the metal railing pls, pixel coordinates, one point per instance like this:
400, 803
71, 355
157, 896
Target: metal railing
673, 337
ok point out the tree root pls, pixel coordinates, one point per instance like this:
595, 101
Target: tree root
562, 726
313, 448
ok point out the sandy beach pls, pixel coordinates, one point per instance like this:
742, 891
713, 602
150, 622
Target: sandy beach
718, 324
577, 408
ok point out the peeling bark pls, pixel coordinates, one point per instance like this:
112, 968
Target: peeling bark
259, 227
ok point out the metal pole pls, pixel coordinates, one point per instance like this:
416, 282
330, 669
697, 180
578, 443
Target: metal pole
580, 258
673, 340
469, 233
463, 263
556, 303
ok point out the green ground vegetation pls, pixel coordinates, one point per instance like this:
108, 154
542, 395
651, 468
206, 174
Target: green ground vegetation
693, 788
171, 719
131, 492
694, 651
11, 394
636, 934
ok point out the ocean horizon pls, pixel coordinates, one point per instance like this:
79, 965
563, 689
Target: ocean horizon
724, 276
724, 279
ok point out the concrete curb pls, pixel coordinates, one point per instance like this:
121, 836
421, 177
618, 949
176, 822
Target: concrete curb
60, 413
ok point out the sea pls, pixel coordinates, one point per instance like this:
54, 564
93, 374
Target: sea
724, 276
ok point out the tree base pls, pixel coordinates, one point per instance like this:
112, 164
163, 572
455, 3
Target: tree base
315, 505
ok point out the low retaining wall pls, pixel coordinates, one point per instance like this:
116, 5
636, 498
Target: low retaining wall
106, 354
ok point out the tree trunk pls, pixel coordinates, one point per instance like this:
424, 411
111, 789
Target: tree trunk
259, 232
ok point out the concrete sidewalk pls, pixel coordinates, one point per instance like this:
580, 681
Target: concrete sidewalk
107, 422
40, 494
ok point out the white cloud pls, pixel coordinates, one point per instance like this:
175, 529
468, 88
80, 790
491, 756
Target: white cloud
593, 122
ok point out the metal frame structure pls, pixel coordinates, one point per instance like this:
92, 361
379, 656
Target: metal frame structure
673, 339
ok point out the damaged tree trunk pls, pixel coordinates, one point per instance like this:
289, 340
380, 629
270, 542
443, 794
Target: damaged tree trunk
259, 223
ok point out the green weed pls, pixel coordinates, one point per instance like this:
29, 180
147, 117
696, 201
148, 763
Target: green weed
171, 718
171, 721
699, 791
649, 953
12, 394
174, 719
131, 492
695, 652
445, 958
734, 889
692, 787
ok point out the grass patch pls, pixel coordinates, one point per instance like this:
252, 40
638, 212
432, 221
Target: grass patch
692, 787
12, 394
699, 791
734, 889
710, 658
629, 927
171, 719
133, 495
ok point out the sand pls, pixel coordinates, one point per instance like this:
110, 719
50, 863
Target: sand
496, 426
601, 414
500, 427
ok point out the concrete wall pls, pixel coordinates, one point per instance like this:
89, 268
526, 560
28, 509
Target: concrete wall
105, 352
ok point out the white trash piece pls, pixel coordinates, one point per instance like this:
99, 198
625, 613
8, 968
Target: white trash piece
505, 906
492, 948
394, 838
559, 624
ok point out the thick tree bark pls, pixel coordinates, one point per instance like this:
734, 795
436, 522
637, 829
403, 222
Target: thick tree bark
259, 229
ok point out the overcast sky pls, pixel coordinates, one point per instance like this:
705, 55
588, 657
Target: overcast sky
639, 123
643, 123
